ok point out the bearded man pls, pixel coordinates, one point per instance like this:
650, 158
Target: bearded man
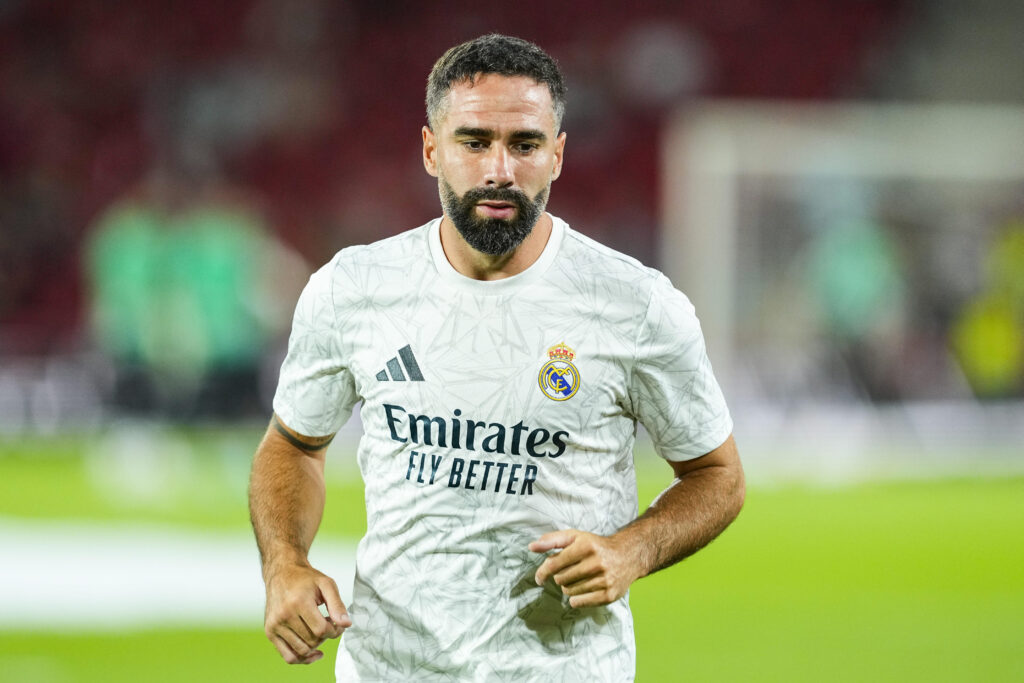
503, 361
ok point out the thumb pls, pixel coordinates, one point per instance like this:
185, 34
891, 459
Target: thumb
553, 540
335, 607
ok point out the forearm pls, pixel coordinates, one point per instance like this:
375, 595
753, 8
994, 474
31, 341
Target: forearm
686, 516
704, 498
286, 500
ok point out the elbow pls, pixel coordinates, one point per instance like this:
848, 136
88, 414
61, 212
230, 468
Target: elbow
738, 491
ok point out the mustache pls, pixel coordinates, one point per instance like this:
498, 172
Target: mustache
495, 194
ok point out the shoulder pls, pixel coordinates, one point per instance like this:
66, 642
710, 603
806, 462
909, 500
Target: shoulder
408, 244
614, 273
362, 267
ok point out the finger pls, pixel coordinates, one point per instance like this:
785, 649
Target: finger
553, 540
588, 585
591, 599
335, 607
586, 568
317, 625
298, 625
289, 655
559, 562
294, 650
296, 639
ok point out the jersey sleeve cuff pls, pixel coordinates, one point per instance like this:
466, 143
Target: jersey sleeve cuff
714, 437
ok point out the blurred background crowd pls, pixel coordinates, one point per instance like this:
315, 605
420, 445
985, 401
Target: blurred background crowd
171, 172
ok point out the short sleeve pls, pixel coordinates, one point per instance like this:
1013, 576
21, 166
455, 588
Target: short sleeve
316, 392
673, 390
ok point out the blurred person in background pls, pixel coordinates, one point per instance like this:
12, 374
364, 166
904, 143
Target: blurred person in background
183, 277
988, 334
857, 279
503, 361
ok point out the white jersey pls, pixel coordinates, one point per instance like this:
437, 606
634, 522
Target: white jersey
493, 412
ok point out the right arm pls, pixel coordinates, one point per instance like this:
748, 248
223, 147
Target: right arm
286, 503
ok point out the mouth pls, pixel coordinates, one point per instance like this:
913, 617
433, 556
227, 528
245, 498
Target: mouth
493, 209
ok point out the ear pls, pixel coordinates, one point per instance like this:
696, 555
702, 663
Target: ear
429, 151
559, 155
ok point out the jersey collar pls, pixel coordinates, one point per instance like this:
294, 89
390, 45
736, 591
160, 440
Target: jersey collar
494, 287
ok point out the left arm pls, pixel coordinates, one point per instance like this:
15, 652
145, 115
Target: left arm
704, 498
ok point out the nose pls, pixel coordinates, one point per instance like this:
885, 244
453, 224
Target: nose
498, 171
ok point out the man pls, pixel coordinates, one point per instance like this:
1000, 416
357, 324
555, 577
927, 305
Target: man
503, 361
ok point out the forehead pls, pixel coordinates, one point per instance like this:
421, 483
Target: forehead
496, 101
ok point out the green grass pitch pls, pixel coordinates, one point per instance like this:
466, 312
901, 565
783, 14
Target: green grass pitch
907, 581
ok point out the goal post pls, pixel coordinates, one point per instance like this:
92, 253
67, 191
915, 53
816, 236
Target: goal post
735, 173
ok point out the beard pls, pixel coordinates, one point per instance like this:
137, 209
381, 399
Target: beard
493, 236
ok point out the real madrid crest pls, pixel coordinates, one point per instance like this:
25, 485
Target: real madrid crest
559, 379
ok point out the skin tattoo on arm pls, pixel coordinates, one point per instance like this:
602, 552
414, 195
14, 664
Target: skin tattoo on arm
286, 503
309, 443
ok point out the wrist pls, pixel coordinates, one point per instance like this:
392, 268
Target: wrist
283, 561
634, 546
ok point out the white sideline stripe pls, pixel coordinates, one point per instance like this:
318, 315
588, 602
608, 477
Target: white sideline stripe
63, 575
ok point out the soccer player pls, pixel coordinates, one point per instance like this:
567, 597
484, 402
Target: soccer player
503, 361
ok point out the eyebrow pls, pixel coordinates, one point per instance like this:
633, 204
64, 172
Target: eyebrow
470, 132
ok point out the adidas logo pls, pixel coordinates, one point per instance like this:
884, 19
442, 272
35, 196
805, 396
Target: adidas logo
394, 368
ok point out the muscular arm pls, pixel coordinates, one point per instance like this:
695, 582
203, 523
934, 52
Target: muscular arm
703, 499
286, 495
286, 503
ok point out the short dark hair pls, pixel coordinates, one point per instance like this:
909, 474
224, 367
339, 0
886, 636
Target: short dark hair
493, 54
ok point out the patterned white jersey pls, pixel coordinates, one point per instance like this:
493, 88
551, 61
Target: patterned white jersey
493, 412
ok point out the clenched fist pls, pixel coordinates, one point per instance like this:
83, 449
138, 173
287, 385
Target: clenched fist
294, 623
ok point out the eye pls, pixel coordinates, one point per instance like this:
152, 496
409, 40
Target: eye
524, 147
474, 145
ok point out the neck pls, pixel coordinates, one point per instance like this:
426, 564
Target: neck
479, 266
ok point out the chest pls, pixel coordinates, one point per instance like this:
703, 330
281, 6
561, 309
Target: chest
540, 358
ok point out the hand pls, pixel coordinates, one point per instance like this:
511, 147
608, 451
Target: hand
294, 623
592, 570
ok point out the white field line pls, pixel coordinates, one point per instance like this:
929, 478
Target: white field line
65, 575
